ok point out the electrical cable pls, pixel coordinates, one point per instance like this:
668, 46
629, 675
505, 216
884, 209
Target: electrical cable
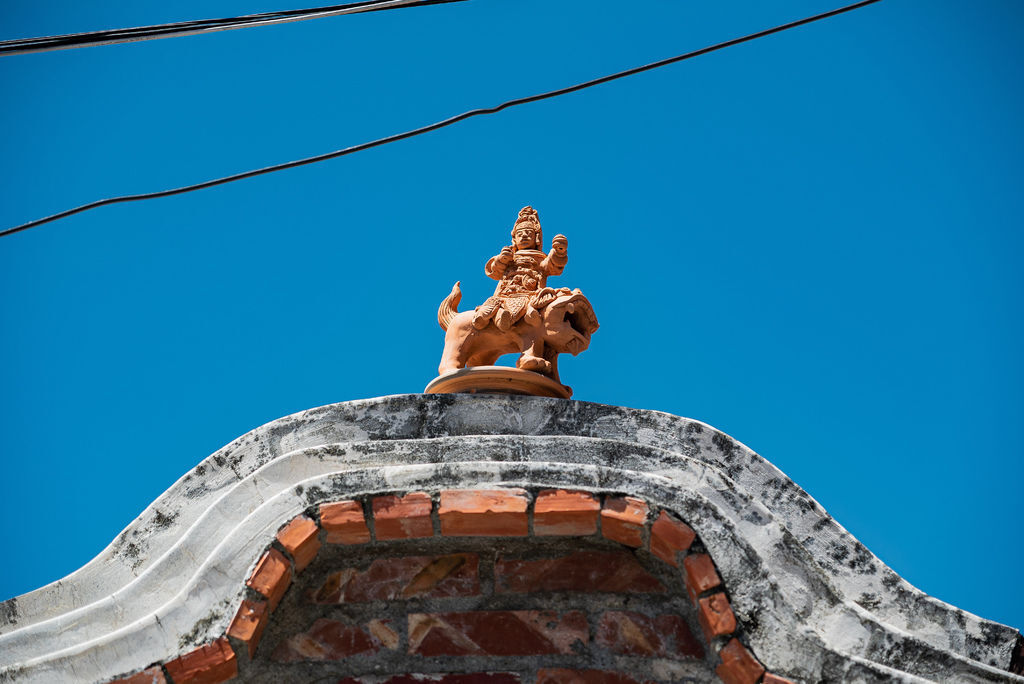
439, 124
22, 46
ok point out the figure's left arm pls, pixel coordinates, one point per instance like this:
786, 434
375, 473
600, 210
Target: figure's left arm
558, 257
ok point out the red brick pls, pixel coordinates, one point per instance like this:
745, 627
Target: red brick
769, 678
249, 622
381, 631
209, 664
715, 616
406, 517
152, 675
615, 571
669, 537
622, 520
496, 633
700, 574
738, 665
471, 678
476, 678
272, 576
344, 522
333, 640
404, 577
560, 676
484, 512
663, 636
561, 512
301, 539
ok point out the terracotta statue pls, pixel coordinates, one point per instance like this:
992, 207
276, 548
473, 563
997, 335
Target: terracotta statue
524, 314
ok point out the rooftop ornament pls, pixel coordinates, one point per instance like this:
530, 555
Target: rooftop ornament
523, 316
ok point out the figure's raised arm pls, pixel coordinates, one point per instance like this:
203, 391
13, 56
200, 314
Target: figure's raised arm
558, 257
496, 265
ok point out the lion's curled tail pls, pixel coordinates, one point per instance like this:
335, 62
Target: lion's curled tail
449, 307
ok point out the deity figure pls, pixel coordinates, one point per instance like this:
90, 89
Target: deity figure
521, 270
523, 315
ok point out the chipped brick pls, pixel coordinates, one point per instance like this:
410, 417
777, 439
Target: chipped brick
562, 512
738, 665
769, 678
380, 631
333, 588
301, 539
406, 517
716, 616
152, 675
663, 636
403, 577
209, 664
271, 576
563, 676
622, 520
700, 574
344, 522
669, 537
471, 678
334, 640
484, 512
615, 571
496, 633
248, 624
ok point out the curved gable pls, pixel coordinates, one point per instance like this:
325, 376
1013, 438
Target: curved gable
809, 600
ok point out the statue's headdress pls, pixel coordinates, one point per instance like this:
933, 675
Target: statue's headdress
529, 215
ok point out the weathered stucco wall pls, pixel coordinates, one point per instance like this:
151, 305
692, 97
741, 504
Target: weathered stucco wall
814, 604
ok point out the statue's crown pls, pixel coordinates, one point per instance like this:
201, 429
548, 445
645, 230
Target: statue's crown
529, 215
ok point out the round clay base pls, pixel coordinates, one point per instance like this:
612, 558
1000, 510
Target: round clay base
497, 380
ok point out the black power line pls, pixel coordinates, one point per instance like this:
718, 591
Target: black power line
439, 124
68, 41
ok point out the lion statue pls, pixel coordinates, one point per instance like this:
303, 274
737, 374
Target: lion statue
563, 322
523, 315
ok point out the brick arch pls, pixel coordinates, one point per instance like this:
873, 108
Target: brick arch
602, 535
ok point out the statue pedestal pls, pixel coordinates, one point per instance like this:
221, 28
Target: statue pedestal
497, 380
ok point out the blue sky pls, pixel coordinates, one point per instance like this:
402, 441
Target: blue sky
812, 242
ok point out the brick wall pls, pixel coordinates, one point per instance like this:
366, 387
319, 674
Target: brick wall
479, 586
